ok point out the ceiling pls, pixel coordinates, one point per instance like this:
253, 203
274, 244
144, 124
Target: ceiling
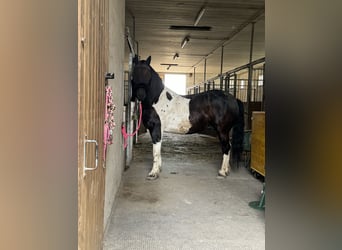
231, 21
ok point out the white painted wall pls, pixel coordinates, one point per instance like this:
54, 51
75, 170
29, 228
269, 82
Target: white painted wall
115, 155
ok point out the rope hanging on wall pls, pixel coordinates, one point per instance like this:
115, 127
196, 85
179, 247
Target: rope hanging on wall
123, 128
109, 123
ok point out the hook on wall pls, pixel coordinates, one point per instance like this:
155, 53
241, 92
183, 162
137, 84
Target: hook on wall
108, 76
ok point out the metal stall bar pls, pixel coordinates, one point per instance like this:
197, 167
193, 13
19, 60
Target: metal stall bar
232, 73
235, 84
205, 70
132, 54
221, 76
263, 87
250, 75
227, 83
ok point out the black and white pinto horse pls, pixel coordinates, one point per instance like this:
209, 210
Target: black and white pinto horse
164, 110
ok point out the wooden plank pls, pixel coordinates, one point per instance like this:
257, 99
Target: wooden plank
258, 142
92, 66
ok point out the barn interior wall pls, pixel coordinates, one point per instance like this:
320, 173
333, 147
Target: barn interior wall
115, 161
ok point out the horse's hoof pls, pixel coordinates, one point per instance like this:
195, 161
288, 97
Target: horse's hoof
222, 174
220, 177
152, 177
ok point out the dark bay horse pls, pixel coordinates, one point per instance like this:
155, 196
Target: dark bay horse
164, 110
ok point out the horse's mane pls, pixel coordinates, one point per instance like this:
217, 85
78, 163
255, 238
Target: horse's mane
157, 86
152, 69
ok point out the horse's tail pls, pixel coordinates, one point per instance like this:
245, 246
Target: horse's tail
238, 133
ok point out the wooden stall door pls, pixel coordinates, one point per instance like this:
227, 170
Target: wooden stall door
258, 143
92, 66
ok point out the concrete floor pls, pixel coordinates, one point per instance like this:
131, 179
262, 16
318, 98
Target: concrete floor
188, 207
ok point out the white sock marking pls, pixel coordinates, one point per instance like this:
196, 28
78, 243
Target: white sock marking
225, 165
156, 159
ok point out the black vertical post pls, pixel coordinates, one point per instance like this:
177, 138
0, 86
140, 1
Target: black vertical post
263, 87
221, 77
205, 70
128, 111
235, 84
250, 76
134, 29
226, 83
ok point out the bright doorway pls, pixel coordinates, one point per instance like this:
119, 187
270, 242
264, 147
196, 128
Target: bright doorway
176, 82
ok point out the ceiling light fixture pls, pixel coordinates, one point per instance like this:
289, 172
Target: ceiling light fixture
192, 28
185, 41
169, 65
175, 56
172, 64
199, 16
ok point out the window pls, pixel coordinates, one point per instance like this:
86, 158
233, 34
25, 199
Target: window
176, 82
260, 80
242, 84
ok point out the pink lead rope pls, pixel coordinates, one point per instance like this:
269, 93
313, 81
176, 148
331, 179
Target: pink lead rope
123, 128
109, 123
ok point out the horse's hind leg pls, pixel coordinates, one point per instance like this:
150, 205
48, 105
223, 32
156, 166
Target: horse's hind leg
224, 171
224, 139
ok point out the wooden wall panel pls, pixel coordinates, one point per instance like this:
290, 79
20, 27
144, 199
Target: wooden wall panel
92, 66
258, 142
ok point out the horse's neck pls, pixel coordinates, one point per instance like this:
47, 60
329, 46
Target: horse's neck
153, 97
156, 89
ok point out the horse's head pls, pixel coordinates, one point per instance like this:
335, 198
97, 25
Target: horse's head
141, 78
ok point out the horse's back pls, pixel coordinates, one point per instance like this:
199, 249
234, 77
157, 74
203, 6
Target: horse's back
214, 100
